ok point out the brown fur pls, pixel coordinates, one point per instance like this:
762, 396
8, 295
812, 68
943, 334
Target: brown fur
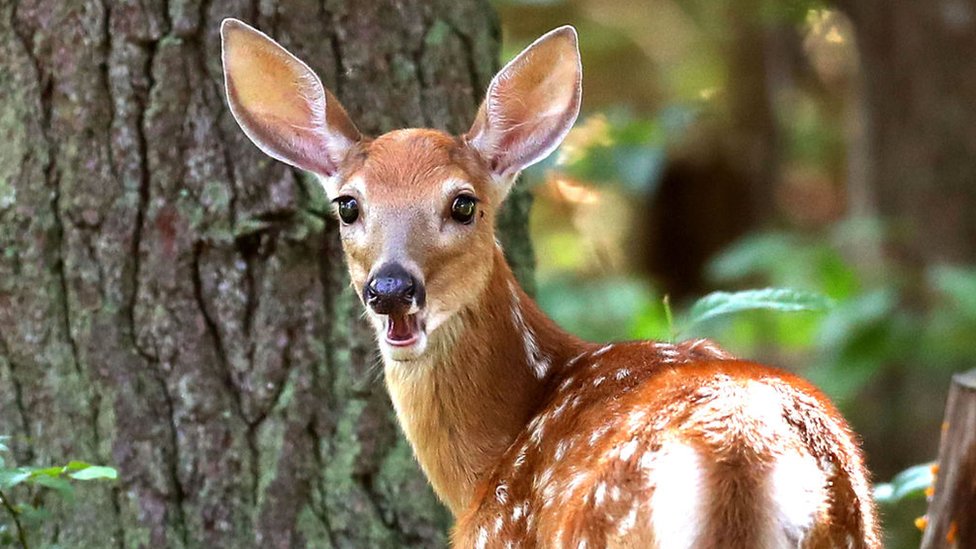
695, 399
462, 409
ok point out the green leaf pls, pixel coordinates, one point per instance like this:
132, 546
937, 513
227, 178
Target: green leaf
12, 477
52, 472
959, 284
55, 483
3, 443
770, 299
93, 472
31, 514
75, 465
910, 483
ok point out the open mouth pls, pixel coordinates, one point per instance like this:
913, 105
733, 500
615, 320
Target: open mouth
402, 330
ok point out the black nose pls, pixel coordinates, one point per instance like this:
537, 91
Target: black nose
392, 290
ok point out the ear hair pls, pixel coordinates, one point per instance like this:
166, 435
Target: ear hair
281, 104
531, 105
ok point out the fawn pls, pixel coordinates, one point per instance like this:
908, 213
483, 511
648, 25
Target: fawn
530, 436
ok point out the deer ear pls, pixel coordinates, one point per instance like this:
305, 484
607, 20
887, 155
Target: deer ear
281, 104
530, 105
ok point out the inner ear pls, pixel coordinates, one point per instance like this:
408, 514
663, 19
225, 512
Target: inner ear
281, 104
530, 105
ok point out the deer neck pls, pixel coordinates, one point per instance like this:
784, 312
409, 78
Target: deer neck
484, 376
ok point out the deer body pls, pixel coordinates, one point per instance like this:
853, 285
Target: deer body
530, 436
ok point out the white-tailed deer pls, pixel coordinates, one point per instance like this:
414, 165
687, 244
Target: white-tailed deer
532, 437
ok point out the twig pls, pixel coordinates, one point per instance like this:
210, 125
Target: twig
21, 535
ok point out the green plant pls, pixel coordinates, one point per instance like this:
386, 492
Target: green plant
912, 483
16, 479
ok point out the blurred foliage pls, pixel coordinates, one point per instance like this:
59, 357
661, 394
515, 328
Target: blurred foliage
28, 483
915, 482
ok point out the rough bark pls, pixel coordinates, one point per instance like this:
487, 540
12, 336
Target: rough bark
952, 511
175, 304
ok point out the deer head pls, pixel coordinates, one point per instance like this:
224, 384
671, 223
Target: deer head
417, 207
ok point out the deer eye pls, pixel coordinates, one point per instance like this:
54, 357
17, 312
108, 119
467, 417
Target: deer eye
348, 209
463, 208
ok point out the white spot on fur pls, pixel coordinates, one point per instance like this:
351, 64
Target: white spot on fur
559, 539
543, 481
499, 522
537, 428
598, 380
599, 352
538, 362
559, 409
636, 419
565, 384
630, 520
561, 449
679, 492
574, 483
598, 434
627, 451
621, 373
519, 458
600, 493
482, 540
646, 461
519, 511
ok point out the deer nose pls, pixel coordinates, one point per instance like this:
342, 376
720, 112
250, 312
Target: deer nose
392, 290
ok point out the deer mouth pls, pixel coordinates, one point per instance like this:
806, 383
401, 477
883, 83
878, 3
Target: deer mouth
402, 330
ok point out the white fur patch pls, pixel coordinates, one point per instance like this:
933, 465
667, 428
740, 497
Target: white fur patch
538, 362
797, 492
602, 350
482, 540
679, 494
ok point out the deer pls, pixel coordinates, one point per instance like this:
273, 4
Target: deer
530, 436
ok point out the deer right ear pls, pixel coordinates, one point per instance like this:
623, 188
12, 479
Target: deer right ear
281, 104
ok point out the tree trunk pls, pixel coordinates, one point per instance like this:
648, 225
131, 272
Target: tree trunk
952, 511
175, 304
920, 90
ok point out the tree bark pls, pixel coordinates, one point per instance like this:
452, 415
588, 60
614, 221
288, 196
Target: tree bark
175, 304
952, 511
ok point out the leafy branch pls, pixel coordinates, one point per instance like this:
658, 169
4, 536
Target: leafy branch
783, 300
58, 478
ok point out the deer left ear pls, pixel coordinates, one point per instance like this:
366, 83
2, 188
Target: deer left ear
530, 105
